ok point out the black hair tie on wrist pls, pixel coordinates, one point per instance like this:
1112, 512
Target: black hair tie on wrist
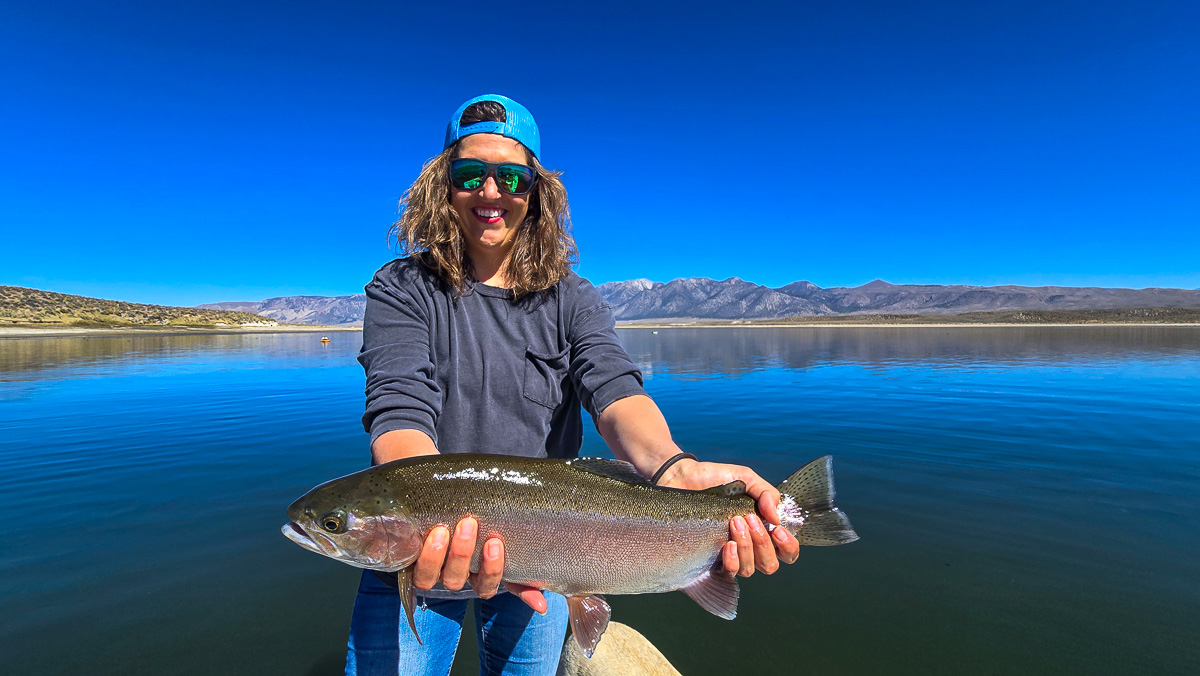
662, 469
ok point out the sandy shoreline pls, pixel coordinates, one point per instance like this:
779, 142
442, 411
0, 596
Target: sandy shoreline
52, 331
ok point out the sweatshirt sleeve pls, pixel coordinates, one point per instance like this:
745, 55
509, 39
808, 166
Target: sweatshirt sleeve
401, 391
600, 369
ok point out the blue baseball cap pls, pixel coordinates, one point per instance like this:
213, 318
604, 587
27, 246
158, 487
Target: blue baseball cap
518, 124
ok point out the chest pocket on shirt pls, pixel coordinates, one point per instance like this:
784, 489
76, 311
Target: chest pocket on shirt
544, 376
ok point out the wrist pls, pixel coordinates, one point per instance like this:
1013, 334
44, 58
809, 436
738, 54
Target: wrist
671, 467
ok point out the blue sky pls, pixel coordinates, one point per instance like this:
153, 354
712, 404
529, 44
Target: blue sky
188, 152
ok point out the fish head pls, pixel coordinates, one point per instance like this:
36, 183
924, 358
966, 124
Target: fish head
355, 522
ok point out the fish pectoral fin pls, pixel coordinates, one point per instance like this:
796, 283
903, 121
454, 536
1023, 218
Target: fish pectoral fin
404, 584
729, 490
589, 619
717, 593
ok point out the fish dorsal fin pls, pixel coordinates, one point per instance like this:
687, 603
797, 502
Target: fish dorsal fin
729, 490
589, 619
718, 594
612, 469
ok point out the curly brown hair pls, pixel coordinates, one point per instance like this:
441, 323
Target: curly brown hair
428, 227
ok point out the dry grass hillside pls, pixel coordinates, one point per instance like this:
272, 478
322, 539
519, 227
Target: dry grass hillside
19, 305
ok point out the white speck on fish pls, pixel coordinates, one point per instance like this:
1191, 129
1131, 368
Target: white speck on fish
511, 476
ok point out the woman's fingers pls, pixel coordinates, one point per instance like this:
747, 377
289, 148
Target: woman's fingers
764, 550
739, 533
768, 503
431, 558
530, 595
458, 560
766, 495
755, 548
778, 545
487, 581
729, 559
449, 558
769, 548
786, 545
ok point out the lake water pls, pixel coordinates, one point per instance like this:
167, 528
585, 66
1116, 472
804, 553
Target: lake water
1028, 499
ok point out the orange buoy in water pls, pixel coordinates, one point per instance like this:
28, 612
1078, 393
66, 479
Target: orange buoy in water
324, 339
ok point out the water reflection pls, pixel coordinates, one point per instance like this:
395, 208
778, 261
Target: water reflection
57, 357
730, 351
694, 352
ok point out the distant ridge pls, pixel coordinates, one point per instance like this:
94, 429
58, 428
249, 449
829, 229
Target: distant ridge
733, 298
737, 299
324, 310
19, 305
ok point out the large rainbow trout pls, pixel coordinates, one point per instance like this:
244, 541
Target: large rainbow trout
581, 527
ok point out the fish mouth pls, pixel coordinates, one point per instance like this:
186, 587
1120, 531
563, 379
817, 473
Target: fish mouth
296, 533
378, 544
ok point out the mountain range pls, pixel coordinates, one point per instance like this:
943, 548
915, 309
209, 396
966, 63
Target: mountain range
733, 298
324, 310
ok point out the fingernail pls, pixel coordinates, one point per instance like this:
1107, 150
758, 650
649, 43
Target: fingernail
755, 524
739, 525
466, 530
781, 535
439, 537
493, 550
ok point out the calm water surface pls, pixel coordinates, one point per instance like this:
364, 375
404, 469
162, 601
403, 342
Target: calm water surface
1027, 500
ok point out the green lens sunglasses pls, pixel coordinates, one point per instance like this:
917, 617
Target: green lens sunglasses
514, 179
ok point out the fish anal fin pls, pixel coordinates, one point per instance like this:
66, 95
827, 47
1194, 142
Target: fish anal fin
717, 593
613, 469
589, 618
729, 490
404, 584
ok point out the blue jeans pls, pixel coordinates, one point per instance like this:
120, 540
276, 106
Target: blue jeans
513, 639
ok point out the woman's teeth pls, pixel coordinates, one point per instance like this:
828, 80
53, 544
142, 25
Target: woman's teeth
489, 213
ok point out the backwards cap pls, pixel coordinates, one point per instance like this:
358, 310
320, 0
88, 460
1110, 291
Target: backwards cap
518, 124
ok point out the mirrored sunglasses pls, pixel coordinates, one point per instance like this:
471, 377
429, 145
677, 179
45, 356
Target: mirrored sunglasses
514, 179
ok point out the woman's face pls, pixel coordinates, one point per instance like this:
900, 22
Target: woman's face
489, 217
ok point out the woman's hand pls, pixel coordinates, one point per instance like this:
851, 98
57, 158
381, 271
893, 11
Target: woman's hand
636, 431
750, 547
447, 556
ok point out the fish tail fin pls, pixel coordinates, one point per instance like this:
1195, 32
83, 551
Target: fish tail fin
806, 506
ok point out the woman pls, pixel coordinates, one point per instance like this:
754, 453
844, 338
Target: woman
482, 339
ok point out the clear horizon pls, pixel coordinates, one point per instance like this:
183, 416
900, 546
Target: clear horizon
196, 153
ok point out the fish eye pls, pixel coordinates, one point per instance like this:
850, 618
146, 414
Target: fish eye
334, 522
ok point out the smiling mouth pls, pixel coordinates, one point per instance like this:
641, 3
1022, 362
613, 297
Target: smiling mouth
489, 214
